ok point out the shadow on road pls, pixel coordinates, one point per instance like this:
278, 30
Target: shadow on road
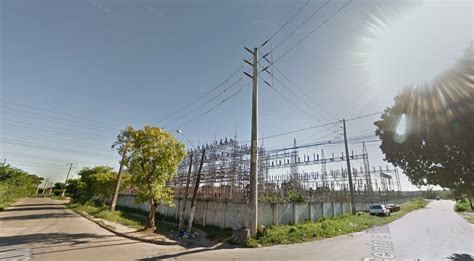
38, 216
461, 257
36, 205
184, 253
51, 238
21, 208
62, 242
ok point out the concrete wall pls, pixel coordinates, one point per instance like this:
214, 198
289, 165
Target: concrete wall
235, 214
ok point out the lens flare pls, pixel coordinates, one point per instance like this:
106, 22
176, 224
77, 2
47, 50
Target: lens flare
402, 125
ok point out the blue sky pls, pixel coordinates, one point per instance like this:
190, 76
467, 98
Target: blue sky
95, 66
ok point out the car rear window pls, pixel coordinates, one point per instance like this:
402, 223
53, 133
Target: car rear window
375, 207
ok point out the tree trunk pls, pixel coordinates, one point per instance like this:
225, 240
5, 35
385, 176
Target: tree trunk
470, 200
152, 215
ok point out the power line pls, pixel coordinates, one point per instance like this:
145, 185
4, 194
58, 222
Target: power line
21, 130
206, 102
215, 106
303, 93
286, 23
54, 119
58, 113
46, 147
364, 116
295, 131
29, 124
301, 99
333, 131
314, 30
202, 96
48, 139
300, 25
290, 101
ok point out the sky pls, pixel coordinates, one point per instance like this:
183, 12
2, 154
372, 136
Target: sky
73, 73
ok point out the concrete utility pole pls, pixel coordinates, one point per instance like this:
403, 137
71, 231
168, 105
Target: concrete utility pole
119, 180
196, 188
67, 177
253, 211
349, 172
181, 219
44, 187
51, 188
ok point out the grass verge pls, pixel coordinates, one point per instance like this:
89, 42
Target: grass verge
462, 206
114, 216
329, 227
214, 233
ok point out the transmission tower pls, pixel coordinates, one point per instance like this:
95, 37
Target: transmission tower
294, 161
368, 178
324, 171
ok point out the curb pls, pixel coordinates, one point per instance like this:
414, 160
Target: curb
124, 234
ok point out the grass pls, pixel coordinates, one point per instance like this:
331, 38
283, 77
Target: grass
462, 206
470, 219
215, 233
137, 219
124, 218
329, 227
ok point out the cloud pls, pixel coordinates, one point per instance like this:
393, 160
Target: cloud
99, 6
154, 11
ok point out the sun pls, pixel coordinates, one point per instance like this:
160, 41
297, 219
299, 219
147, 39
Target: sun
412, 46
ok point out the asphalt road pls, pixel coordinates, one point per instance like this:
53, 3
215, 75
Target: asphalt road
433, 233
42, 229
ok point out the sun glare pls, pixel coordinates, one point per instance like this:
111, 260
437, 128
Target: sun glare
414, 46
402, 125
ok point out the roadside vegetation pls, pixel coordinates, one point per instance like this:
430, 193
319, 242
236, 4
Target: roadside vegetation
463, 207
328, 227
15, 184
128, 219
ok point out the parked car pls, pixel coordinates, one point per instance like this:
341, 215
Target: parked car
379, 210
393, 207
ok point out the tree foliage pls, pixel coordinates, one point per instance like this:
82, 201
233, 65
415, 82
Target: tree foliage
16, 183
153, 161
435, 147
94, 185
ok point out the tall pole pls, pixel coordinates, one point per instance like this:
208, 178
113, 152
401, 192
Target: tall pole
44, 187
349, 172
67, 177
119, 180
196, 188
253, 149
181, 219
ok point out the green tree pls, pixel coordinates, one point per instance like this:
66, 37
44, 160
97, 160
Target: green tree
16, 183
428, 132
95, 184
154, 158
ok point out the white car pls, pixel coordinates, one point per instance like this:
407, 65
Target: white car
379, 210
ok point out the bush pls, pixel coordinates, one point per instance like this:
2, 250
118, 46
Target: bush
462, 205
294, 196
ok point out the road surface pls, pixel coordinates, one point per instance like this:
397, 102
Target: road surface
42, 229
433, 233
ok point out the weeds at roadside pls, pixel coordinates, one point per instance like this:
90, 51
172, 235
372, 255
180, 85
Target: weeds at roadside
329, 227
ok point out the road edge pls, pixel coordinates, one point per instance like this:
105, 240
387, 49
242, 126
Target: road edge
161, 243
